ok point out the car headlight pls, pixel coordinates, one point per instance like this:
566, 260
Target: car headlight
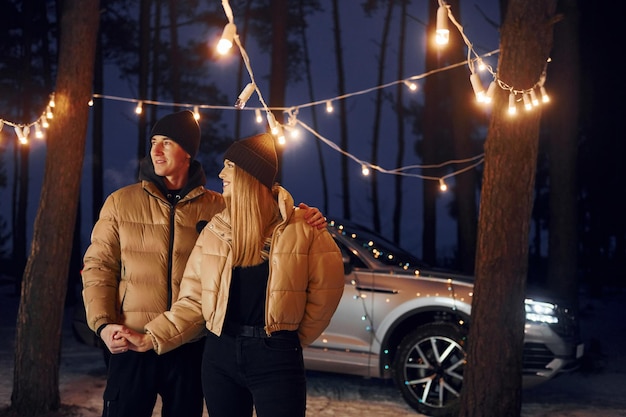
541, 312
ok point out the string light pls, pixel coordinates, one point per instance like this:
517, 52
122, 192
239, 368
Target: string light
139, 107
365, 170
478, 87
257, 116
329, 106
226, 41
544, 96
442, 33
244, 96
196, 113
491, 90
526, 99
410, 85
512, 106
442, 185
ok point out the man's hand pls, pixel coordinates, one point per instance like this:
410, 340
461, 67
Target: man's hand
113, 336
313, 216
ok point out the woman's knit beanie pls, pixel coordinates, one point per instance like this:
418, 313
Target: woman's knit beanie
182, 128
257, 156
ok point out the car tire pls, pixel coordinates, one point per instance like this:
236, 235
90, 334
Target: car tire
428, 369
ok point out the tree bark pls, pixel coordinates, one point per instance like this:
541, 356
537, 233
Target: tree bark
562, 122
493, 376
40, 314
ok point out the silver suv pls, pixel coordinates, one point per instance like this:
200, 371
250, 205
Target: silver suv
400, 319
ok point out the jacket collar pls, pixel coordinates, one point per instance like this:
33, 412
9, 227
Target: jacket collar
147, 174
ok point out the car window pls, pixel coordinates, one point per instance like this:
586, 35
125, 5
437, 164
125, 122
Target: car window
377, 247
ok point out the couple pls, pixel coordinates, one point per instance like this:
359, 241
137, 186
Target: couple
263, 277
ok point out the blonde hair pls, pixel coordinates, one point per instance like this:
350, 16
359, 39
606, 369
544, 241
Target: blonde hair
253, 214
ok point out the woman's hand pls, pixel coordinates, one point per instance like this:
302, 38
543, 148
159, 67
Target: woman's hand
139, 342
313, 216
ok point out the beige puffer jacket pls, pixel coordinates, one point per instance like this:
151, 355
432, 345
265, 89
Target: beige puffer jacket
138, 252
304, 288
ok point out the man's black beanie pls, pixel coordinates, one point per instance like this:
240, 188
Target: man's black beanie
182, 128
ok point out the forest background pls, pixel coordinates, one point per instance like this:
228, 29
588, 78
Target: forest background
378, 121
446, 125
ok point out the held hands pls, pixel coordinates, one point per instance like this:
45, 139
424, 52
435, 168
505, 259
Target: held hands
120, 339
313, 216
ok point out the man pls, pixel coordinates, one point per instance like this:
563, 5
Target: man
134, 265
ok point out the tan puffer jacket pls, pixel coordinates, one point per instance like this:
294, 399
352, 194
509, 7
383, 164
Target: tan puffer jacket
138, 252
304, 288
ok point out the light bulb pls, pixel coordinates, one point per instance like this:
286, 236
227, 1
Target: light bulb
196, 113
44, 122
527, 104
244, 96
365, 170
226, 41
533, 98
442, 34
442, 185
410, 85
544, 96
38, 132
512, 107
139, 108
257, 114
329, 107
478, 87
491, 90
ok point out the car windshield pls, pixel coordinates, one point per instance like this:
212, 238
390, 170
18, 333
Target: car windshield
376, 246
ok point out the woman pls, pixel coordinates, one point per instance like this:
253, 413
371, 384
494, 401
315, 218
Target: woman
263, 283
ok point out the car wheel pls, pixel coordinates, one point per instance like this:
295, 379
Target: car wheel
428, 369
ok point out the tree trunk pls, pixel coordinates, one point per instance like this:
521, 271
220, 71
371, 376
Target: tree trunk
563, 150
278, 75
400, 123
38, 337
493, 376
310, 89
382, 54
343, 115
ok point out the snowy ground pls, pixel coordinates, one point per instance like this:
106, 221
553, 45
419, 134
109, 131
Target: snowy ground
598, 389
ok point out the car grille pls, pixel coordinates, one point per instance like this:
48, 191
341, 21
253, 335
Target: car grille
536, 357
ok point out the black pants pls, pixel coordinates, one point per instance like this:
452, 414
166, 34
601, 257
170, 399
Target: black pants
135, 379
239, 373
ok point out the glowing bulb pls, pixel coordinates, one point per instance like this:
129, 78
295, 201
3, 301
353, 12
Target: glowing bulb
544, 96
533, 98
527, 104
244, 96
196, 113
44, 122
90, 103
257, 114
329, 107
139, 108
226, 42
51, 103
512, 107
365, 170
38, 132
410, 85
491, 90
479, 91
442, 185
49, 114
21, 136
442, 34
